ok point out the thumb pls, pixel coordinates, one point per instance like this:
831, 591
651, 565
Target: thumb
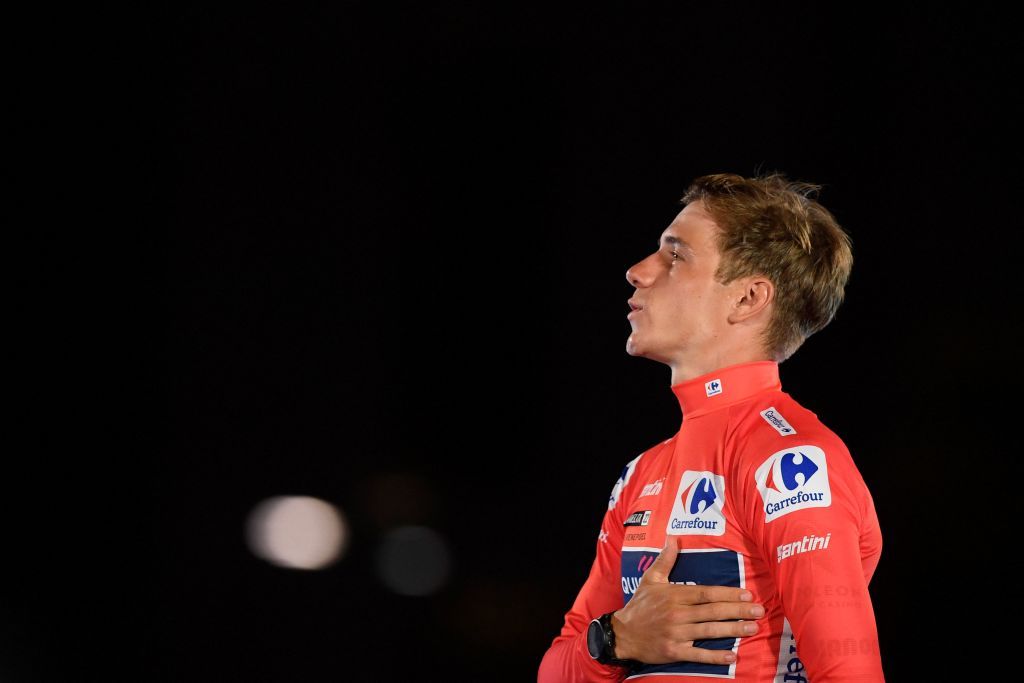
658, 571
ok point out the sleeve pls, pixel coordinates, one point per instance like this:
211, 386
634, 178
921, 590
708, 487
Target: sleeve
819, 535
567, 660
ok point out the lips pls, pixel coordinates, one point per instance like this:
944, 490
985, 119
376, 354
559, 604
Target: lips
634, 308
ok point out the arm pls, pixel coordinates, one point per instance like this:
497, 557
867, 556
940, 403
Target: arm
567, 659
658, 625
821, 558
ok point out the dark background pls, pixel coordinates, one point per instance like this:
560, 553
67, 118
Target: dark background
396, 239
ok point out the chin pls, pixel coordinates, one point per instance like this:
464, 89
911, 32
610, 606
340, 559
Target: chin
634, 349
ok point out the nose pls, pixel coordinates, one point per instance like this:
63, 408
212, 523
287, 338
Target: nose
638, 275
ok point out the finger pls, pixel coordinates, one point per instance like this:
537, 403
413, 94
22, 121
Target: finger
721, 611
705, 656
658, 572
717, 629
696, 595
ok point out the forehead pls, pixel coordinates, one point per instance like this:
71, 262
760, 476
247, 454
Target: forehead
695, 226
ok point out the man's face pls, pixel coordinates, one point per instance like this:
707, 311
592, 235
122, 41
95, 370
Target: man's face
679, 310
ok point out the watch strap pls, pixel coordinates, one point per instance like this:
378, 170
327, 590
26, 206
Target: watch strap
607, 651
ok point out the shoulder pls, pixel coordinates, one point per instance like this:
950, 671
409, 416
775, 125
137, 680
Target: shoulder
634, 470
791, 457
775, 424
777, 433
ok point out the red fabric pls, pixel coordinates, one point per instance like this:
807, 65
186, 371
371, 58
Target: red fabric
793, 522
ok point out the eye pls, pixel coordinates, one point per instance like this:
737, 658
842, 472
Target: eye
675, 255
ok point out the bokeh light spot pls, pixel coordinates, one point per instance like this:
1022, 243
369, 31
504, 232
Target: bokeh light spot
298, 532
413, 560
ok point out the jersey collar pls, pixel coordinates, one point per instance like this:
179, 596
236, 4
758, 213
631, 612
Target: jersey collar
726, 386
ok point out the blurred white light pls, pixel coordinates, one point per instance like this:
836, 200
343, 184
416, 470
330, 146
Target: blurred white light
298, 532
413, 560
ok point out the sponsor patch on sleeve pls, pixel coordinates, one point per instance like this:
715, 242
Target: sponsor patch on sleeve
793, 479
806, 544
627, 472
775, 419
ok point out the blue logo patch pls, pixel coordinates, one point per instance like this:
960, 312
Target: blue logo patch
693, 567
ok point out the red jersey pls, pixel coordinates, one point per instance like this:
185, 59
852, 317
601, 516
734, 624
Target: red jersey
765, 498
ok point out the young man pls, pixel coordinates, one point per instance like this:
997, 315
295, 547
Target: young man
741, 547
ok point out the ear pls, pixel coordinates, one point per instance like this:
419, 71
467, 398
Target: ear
752, 296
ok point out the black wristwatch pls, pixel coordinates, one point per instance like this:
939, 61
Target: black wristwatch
601, 641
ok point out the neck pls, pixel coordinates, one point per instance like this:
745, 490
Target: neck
687, 368
726, 386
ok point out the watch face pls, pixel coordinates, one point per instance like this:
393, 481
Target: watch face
595, 639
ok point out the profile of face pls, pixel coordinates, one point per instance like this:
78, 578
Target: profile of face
679, 312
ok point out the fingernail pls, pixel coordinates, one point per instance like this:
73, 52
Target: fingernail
747, 595
749, 628
757, 611
729, 657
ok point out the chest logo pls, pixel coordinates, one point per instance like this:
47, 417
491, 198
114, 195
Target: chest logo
699, 507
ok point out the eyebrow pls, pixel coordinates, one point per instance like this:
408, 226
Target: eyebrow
675, 241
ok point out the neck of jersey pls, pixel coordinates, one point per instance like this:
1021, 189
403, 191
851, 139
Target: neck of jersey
726, 386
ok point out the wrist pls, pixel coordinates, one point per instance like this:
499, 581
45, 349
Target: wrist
601, 641
621, 645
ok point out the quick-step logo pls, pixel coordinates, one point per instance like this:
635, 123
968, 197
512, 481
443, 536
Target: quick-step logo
699, 507
693, 567
793, 479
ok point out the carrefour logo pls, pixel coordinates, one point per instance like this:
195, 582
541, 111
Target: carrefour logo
793, 479
775, 419
701, 494
699, 507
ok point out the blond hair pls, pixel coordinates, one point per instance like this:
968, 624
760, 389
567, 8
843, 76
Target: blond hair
770, 226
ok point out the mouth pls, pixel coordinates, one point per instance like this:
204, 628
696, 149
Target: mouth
634, 308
